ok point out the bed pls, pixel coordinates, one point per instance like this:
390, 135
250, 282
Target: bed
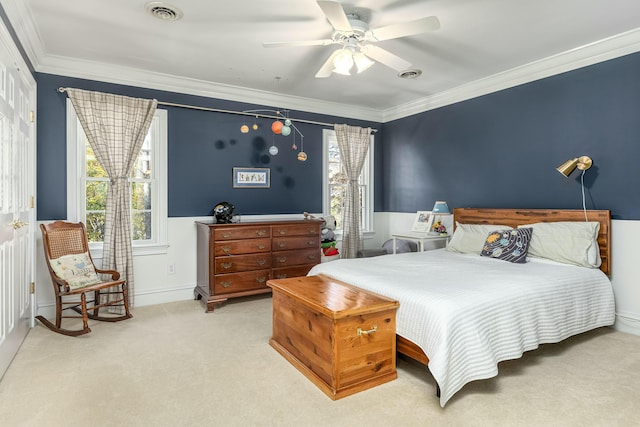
461, 314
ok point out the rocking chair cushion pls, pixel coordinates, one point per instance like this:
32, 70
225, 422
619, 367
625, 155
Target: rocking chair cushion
76, 269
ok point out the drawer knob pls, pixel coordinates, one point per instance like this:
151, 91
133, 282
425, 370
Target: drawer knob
282, 245
261, 247
281, 276
282, 259
226, 235
282, 232
261, 261
261, 279
311, 256
370, 331
226, 265
312, 231
226, 249
311, 242
225, 284
261, 232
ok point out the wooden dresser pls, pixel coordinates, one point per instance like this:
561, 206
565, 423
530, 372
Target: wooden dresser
235, 260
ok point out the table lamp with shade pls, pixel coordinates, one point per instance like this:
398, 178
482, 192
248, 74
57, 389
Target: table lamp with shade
439, 208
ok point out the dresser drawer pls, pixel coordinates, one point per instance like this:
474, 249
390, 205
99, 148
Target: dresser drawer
287, 258
238, 282
238, 233
238, 247
300, 242
297, 271
238, 263
281, 230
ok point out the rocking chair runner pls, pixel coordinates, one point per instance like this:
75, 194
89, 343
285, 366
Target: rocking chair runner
73, 273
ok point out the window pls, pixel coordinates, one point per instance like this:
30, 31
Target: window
87, 185
335, 182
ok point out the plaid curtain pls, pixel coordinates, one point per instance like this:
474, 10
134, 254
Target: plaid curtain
115, 127
353, 142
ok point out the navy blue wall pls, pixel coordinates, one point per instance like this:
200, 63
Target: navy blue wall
501, 149
203, 148
498, 150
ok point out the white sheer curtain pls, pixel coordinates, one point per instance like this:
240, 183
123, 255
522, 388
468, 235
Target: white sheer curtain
115, 127
353, 142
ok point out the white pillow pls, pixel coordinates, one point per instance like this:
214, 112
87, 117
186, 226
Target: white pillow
469, 238
76, 269
570, 242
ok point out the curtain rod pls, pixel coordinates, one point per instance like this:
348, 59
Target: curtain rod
241, 113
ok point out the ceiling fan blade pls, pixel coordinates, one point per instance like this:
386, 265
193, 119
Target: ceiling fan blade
335, 14
385, 57
323, 42
327, 67
423, 25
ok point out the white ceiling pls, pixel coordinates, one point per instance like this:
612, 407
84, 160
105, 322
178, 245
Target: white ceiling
216, 48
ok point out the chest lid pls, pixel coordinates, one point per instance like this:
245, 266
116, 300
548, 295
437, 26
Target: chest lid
332, 298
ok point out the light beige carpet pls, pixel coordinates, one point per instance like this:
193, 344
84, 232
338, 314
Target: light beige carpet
174, 365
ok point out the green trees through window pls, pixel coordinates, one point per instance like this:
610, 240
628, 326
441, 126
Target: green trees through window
96, 185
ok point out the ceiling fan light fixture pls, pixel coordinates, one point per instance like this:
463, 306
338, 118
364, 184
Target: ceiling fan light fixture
363, 63
343, 62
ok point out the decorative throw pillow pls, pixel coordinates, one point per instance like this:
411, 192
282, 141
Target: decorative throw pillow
570, 242
508, 245
469, 238
76, 269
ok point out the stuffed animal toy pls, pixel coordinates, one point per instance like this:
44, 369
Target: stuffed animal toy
328, 237
326, 231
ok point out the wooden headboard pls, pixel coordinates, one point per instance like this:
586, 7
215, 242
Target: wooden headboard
515, 217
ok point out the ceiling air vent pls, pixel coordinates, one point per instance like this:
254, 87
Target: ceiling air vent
163, 11
409, 74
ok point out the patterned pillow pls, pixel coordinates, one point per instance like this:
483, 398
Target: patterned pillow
508, 245
76, 269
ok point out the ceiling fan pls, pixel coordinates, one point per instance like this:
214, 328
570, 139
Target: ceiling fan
357, 41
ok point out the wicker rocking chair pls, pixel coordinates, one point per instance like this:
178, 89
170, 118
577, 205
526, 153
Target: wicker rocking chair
74, 275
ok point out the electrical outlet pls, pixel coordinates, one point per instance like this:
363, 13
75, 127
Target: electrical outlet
172, 269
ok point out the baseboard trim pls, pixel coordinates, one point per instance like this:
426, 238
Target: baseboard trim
626, 322
148, 297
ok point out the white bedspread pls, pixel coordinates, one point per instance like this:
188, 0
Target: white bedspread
468, 312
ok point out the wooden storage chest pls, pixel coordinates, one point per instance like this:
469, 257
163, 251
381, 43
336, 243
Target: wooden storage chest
235, 260
340, 337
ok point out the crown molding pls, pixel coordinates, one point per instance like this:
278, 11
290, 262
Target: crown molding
589, 54
152, 80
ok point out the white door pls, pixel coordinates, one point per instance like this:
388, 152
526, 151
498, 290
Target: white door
17, 187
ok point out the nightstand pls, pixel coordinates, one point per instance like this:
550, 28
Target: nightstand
419, 238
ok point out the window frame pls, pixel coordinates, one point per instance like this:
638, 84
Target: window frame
76, 169
367, 176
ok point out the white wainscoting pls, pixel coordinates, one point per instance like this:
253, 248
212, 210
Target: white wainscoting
154, 284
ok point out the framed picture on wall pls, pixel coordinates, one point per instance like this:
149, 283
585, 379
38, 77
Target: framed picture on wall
423, 222
251, 177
